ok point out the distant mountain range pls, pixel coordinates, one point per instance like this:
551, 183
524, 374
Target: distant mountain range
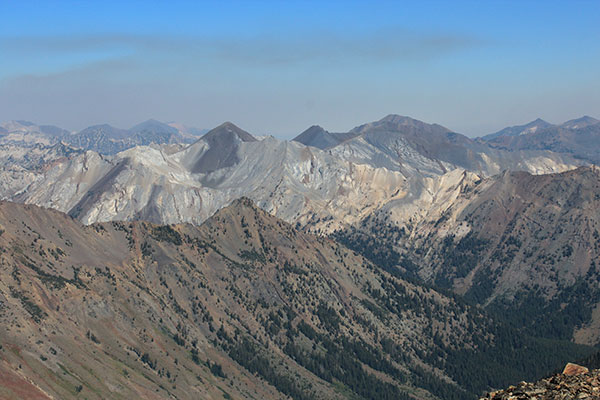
578, 137
104, 139
396, 160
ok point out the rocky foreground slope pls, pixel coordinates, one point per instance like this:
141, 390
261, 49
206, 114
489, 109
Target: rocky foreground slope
574, 383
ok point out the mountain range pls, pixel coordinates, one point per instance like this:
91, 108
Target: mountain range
242, 306
104, 139
522, 245
578, 137
396, 160
491, 244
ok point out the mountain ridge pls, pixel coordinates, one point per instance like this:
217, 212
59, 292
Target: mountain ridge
518, 244
102, 138
244, 305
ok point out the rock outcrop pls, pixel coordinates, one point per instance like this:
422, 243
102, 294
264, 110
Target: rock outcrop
576, 382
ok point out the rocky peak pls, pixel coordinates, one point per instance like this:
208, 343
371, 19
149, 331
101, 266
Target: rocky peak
227, 131
574, 369
243, 202
316, 136
243, 217
223, 142
25, 123
311, 132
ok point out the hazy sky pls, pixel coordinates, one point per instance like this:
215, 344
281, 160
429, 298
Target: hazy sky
279, 67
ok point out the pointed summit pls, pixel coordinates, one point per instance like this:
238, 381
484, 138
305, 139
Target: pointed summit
223, 142
230, 131
318, 137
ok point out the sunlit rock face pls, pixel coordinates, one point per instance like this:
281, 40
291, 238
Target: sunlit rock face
398, 164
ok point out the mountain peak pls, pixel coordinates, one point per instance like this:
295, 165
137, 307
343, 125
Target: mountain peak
313, 134
229, 130
395, 122
153, 125
318, 137
109, 130
244, 202
150, 121
223, 142
518, 130
582, 122
238, 207
309, 133
398, 119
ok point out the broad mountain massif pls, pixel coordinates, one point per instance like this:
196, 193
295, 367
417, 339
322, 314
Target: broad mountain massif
397, 260
243, 305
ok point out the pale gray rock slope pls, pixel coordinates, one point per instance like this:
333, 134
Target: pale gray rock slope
285, 178
398, 164
21, 166
410, 146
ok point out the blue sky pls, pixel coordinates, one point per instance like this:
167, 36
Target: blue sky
279, 67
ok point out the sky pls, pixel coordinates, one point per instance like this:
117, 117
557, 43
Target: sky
278, 67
